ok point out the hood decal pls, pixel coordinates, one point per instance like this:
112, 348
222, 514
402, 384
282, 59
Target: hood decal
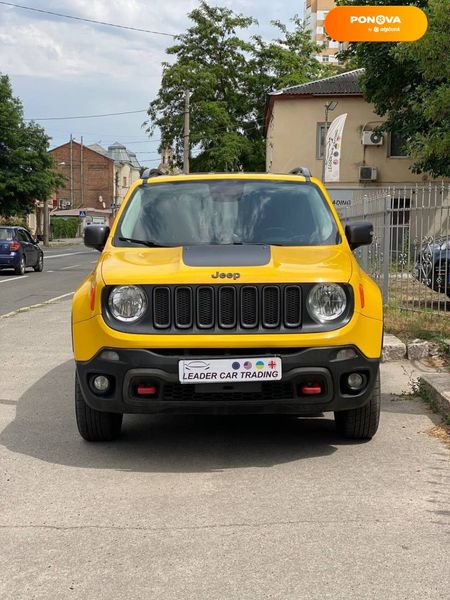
226, 256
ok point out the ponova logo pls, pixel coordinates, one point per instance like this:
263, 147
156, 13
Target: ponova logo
376, 23
379, 19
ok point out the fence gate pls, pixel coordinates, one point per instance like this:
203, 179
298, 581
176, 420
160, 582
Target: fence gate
410, 254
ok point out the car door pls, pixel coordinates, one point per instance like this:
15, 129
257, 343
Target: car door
29, 251
34, 248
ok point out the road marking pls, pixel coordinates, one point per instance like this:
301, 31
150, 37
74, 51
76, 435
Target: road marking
48, 256
69, 267
26, 308
14, 278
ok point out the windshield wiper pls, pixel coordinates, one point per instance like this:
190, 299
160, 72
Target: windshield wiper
147, 243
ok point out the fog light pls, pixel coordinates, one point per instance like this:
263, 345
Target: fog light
345, 354
101, 383
109, 355
355, 381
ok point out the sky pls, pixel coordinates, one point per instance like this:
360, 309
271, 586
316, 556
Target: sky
60, 67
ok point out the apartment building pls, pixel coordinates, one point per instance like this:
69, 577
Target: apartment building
315, 13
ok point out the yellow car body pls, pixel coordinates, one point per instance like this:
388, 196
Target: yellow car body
141, 266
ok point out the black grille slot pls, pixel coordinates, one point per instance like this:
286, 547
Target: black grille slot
273, 390
183, 307
161, 308
271, 306
205, 307
292, 306
227, 307
249, 306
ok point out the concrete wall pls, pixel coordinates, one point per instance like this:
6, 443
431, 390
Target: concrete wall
291, 141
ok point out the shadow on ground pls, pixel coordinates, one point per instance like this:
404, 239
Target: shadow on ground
44, 428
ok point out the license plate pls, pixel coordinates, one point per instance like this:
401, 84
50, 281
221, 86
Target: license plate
245, 370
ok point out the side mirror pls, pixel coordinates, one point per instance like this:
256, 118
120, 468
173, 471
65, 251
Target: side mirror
359, 233
95, 236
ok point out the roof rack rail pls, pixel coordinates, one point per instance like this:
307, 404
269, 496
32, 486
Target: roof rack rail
151, 173
301, 171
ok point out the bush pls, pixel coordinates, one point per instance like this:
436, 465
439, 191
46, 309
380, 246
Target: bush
64, 228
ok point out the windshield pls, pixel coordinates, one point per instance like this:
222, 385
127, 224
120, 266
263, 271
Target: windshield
228, 211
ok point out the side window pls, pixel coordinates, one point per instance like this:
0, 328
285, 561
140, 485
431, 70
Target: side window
21, 235
396, 146
28, 236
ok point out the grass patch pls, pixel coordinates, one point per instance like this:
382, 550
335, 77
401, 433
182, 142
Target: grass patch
409, 324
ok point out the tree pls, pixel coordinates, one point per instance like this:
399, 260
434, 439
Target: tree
27, 170
409, 84
228, 78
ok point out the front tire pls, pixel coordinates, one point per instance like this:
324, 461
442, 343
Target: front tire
361, 423
39, 266
20, 269
94, 425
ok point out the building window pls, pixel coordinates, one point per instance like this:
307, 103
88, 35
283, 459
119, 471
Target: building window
124, 182
321, 14
320, 140
325, 58
319, 30
396, 148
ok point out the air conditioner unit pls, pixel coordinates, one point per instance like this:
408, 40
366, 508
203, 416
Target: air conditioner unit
372, 138
368, 173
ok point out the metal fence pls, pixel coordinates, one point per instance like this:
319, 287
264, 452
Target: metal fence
410, 254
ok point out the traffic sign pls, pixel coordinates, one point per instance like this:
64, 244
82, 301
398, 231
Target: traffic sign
82, 213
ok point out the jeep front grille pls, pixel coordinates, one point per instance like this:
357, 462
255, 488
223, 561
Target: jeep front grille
227, 307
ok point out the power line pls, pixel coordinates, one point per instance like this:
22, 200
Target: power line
129, 112
55, 14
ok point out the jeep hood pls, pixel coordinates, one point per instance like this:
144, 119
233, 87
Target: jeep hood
274, 264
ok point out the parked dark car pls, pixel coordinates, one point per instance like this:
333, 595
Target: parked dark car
432, 266
18, 250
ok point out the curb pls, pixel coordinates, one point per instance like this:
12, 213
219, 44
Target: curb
436, 387
27, 308
393, 348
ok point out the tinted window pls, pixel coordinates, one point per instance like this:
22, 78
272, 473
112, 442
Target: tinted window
21, 235
229, 212
6, 234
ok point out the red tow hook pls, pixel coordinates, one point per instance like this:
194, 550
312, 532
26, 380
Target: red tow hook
311, 390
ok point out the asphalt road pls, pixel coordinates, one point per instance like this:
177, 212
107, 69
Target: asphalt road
210, 508
64, 269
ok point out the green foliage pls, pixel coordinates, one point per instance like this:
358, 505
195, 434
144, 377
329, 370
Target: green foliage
409, 83
228, 78
64, 228
27, 171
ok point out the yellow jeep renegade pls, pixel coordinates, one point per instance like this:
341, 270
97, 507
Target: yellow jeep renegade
233, 293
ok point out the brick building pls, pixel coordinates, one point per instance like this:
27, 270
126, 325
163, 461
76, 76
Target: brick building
89, 177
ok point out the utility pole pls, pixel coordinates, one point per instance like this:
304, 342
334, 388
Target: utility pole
187, 132
116, 193
46, 224
81, 173
71, 172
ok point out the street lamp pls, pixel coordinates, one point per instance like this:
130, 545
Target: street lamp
329, 107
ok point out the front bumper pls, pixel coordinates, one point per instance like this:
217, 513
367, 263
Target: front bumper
159, 367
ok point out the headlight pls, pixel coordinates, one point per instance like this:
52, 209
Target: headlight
326, 302
127, 303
